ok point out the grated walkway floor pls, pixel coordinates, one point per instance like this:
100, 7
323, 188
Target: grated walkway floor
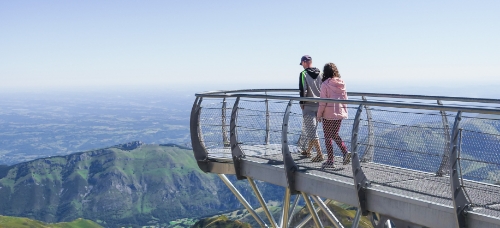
410, 183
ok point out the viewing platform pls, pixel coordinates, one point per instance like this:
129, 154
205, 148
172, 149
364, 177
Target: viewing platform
417, 161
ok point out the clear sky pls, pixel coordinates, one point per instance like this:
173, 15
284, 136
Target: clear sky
243, 44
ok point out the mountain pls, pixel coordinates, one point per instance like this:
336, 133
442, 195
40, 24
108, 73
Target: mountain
126, 185
18, 222
220, 221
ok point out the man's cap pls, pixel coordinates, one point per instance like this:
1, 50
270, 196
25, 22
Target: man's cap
305, 58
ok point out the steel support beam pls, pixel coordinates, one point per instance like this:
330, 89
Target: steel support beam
199, 150
460, 202
242, 200
289, 163
445, 159
262, 202
311, 209
309, 216
236, 151
292, 209
357, 217
361, 183
370, 147
285, 209
336, 223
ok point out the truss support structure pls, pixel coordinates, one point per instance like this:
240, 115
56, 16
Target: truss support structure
361, 183
312, 210
262, 202
329, 214
292, 209
289, 163
309, 216
357, 217
242, 200
236, 151
461, 203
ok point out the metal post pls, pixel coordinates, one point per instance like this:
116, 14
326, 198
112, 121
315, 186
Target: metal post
310, 206
262, 202
286, 209
309, 216
199, 150
360, 180
370, 147
289, 163
445, 160
336, 223
236, 151
225, 139
267, 122
460, 202
242, 200
357, 217
292, 209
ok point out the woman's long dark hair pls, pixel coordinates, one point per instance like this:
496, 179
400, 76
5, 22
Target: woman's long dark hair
330, 71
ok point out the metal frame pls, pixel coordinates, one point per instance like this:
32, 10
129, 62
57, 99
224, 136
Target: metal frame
384, 95
393, 206
361, 183
309, 217
236, 151
370, 150
369, 103
242, 200
445, 160
225, 139
285, 213
460, 202
312, 210
262, 202
267, 123
289, 163
199, 150
336, 223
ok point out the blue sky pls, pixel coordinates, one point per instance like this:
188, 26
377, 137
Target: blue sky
209, 45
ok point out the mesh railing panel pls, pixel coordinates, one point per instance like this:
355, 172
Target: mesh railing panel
402, 150
259, 128
480, 160
214, 126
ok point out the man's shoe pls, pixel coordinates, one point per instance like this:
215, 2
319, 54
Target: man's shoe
303, 153
347, 158
318, 158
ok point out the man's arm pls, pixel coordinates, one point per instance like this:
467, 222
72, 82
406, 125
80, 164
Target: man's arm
302, 86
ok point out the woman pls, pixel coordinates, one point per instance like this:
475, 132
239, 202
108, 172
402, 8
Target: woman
332, 114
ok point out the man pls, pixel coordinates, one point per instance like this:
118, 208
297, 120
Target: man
309, 86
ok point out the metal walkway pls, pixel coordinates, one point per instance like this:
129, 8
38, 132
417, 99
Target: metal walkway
416, 160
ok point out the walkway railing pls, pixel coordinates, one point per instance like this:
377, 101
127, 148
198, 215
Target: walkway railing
439, 149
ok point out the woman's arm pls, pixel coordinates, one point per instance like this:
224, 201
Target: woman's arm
322, 105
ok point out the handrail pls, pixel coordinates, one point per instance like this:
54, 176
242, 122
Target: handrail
358, 102
386, 95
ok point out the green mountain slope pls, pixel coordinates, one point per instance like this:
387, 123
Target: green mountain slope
18, 222
220, 221
126, 185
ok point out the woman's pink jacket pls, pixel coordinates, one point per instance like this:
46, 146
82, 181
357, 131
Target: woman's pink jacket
333, 88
